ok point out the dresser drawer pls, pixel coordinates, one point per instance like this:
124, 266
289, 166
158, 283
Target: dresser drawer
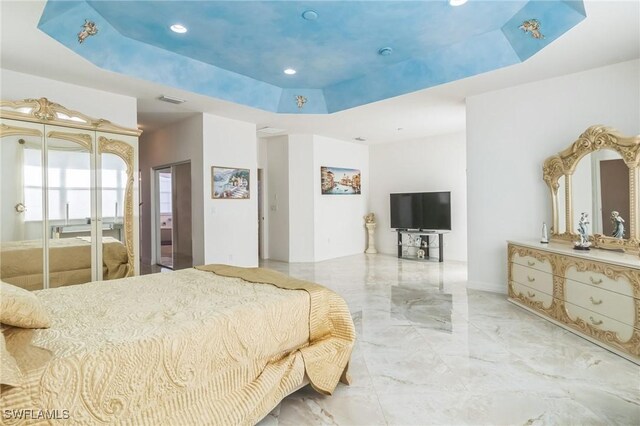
621, 285
624, 332
534, 278
532, 262
613, 305
531, 294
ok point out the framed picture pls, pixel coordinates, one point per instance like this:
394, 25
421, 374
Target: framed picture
230, 183
340, 181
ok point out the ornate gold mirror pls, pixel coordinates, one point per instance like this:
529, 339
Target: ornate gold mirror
598, 175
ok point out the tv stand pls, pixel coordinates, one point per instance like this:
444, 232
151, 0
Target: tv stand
425, 242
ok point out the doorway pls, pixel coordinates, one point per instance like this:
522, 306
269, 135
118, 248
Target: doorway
173, 216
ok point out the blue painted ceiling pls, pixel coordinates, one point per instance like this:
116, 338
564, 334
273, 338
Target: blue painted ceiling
237, 50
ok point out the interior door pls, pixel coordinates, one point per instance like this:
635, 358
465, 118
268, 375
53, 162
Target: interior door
71, 221
164, 217
181, 206
22, 216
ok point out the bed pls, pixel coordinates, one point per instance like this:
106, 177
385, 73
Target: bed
208, 345
69, 261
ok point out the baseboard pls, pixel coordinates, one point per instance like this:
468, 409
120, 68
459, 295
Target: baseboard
484, 286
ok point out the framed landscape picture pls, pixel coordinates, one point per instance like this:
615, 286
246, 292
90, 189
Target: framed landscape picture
340, 181
230, 183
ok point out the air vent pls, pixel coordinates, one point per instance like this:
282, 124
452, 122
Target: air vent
171, 100
270, 130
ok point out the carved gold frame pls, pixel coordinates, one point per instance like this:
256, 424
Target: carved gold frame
564, 164
44, 111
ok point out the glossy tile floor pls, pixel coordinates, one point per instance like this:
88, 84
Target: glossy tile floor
431, 351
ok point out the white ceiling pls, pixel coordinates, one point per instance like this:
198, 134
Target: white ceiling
609, 34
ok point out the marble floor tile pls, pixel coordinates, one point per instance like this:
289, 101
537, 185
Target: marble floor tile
430, 351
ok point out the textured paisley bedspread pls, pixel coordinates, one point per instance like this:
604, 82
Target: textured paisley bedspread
188, 347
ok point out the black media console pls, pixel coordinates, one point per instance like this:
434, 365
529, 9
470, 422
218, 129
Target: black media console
425, 240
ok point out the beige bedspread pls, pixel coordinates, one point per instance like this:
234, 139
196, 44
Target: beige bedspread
69, 261
187, 347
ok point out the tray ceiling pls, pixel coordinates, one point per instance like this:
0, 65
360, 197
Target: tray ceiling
238, 50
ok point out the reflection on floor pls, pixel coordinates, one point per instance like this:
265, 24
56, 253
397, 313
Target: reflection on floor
430, 351
152, 269
166, 255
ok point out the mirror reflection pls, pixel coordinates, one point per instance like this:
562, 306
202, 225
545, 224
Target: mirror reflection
72, 200
114, 250
69, 193
562, 207
600, 187
21, 233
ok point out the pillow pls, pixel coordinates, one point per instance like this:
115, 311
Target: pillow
21, 308
9, 372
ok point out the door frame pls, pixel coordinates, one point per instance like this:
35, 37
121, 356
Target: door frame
154, 214
156, 231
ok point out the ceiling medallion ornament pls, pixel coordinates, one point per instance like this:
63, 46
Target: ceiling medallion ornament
532, 26
89, 28
300, 101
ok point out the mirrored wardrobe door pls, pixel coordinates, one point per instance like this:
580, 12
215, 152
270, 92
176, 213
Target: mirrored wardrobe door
71, 205
22, 244
117, 204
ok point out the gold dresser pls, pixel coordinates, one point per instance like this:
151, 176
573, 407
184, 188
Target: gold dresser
595, 199
595, 294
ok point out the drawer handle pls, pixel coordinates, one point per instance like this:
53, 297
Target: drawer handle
594, 322
531, 279
595, 302
594, 281
531, 294
530, 263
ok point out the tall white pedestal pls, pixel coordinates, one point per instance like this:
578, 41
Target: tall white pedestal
371, 248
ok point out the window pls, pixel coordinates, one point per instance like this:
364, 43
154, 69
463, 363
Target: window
69, 180
165, 192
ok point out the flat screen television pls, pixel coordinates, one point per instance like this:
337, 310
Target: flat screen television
421, 210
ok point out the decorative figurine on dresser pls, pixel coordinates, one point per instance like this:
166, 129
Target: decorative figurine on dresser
596, 293
584, 243
618, 225
545, 234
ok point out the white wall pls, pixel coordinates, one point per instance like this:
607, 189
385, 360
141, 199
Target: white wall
119, 109
301, 198
339, 224
509, 135
277, 197
304, 225
436, 163
230, 226
179, 142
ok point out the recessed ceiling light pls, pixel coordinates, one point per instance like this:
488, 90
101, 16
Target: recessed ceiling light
290, 71
310, 15
457, 2
177, 28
